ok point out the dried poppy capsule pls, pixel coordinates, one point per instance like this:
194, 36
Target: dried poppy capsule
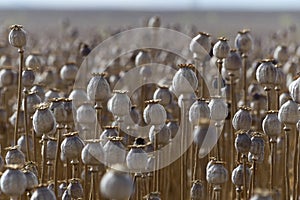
119, 104
200, 44
98, 89
6, 76
114, 151
271, 124
185, 80
109, 131
162, 136
68, 72
218, 109
14, 156
289, 113
137, 158
58, 110
33, 99
221, 48
51, 148
43, 120
266, 73
72, 146
33, 62
163, 93
22, 144
173, 127
78, 97
243, 41
281, 54
154, 113
154, 22
199, 112
38, 88
51, 94
13, 119
43, 192
280, 77
242, 119
217, 174
92, 153
13, 182
17, 36
242, 143
294, 89
257, 148
31, 179
75, 188
113, 179
197, 191
233, 62
86, 115
237, 176
28, 78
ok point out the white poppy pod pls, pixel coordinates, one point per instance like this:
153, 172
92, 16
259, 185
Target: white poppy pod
78, 97
197, 190
31, 179
201, 44
58, 110
71, 146
86, 114
266, 73
257, 148
39, 90
14, 156
68, 72
294, 89
33, 62
98, 88
242, 143
218, 109
17, 36
162, 135
6, 76
221, 48
51, 94
217, 174
154, 113
205, 137
243, 41
92, 153
137, 158
284, 97
199, 112
32, 100
22, 144
233, 62
119, 104
271, 124
116, 185
163, 93
13, 182
237, 176
28, 78
185, 80
281, 54
51, 148
114, 151
242, 119
109, 131
154, 22
289, 113
43, 192
43, 120
142, 58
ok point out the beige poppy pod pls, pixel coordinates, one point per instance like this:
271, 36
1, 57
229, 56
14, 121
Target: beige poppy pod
78, 96
271, 124
237, 176
185, 80
72, 146
92, 153
86, 114
68, 72
109, 131
221, 48
31, 179
217, 174
13, 182
233, 62
199, 112
154, 113
58, 110
28, 78
98, 89
242, 119
51, 148
22, 144
281, 54
294, 89
218, 109
17, 36
242, 143
43, 120
14, 156
164, 94
243, 41
75, 189
33, 99
6, 76
119, 104
266, 73
200, 44
69, 108
43, 192
257, 148
154, 22
289, 113
114, 151
33, 62
137, 158
197, 190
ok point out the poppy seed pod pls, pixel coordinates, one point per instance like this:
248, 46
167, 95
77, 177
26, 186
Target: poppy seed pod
31, 179
201, 44
233, 62
294, 89
271, 124
98, 89
197, 190
217, 174
116, 179
154, 22
69, 108
205, 137
218, 109
221, 48
75, 189
86, 114
281, 54
185, 80
17, 36
199, 112
72, 146
43, 120
6, 76
163, 93
257, 147
119, 104
28, 78
237, 176
92, 153
78, 97
22, 144
33, 62
51, 94
173, 127
109, 131
162, 135
68, 72
289, 113
13, 119
243, 41
242, 143
58, 110
266, 73
14, 156
13, 182
51, 148
280, 77
114, 151
43, 192
39, 90
154, 113
137, 158
133, 118
142, 58
242, 119
33, 99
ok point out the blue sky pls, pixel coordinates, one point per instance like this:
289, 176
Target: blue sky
154, 4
